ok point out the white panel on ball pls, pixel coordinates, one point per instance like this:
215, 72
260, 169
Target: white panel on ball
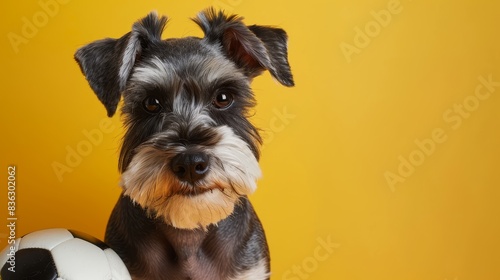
118, 269
46, 239
77, 259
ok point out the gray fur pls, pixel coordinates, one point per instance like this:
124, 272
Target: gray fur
180, 96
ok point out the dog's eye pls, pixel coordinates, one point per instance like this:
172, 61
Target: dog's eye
223, 100
152, 105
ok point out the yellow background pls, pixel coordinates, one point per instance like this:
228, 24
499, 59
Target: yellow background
350, 119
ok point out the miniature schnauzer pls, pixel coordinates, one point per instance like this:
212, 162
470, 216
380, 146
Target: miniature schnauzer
190, 155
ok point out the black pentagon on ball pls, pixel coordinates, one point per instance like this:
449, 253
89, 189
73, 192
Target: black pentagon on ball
31, 263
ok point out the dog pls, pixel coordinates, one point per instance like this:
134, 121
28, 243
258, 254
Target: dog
189, 157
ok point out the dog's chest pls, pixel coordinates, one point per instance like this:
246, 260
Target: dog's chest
191, 261
189, 256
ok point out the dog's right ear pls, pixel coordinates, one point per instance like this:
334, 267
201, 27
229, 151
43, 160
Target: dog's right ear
107, 63
252, 48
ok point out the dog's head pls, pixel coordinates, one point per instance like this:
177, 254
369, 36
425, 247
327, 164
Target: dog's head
189, 151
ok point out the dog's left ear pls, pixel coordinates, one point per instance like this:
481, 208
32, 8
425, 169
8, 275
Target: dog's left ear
107, 63
253, 48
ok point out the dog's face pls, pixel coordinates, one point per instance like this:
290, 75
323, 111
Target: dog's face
189, 152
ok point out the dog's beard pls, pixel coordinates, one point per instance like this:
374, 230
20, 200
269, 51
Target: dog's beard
233, 172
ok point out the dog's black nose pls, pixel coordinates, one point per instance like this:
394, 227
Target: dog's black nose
190, 167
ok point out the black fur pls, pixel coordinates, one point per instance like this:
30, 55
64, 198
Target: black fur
101, 61
225, 249
140, 125
254, 48
150, 247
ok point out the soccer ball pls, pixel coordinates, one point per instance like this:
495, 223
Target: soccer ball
60, 254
